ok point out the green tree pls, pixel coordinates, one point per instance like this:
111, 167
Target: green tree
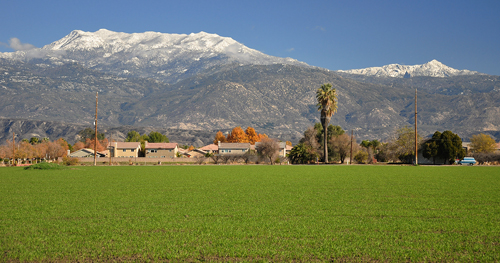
450, 147
482, 143
89, 133
133, 136
157, 137
302, 153
327, 105
366, 144
333, 130
34, 140
361, 157
430, 148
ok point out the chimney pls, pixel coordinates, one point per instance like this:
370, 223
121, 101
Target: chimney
218, 143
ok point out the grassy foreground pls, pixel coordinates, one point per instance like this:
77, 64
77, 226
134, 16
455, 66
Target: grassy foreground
251, 213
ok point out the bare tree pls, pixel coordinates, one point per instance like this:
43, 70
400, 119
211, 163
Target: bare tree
200, 159
269, 149
225, 158
249, 157
341, 145
216, 158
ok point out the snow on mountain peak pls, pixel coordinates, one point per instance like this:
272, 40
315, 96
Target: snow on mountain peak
113, 42
432, 68
168, 57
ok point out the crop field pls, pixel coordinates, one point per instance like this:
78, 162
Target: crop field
251, 213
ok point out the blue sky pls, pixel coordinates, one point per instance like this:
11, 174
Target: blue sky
329, 34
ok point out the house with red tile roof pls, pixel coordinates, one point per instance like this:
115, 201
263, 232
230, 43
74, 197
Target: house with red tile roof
211, 148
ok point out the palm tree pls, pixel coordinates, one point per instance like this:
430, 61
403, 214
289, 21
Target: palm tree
327, 105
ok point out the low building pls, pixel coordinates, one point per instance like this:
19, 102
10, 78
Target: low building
196, 153
124, 149
288, 149
161, 150
85, 153
233, 148
211, 148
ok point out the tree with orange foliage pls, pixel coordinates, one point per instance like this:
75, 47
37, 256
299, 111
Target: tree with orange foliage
237, 135
24, 150
54, 150
101, 144
39, 150
191, 148
289, 143
3, 152
78, 146
219, 137
262, 136
64, 144
252, 136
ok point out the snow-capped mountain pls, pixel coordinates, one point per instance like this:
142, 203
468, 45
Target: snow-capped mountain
167, 57
433, 68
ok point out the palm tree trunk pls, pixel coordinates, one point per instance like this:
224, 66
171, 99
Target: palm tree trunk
325, 142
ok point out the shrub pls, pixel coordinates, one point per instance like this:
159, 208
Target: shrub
361, 157
45, 166
70, 161
482, 158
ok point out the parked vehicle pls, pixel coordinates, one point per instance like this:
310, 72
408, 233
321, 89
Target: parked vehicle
468, 160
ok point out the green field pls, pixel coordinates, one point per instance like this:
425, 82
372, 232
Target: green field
251, 213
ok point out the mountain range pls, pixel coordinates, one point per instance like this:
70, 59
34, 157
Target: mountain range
432, 68
191, 86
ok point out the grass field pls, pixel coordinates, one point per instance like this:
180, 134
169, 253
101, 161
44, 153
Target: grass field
251, 213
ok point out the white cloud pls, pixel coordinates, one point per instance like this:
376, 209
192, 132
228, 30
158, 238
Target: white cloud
30, 50
290, 49
16, 44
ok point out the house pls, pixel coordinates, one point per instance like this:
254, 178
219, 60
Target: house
196, 153
211, 148
85, 153
124, 149
288, 149
233, 148
161, 150
181, 152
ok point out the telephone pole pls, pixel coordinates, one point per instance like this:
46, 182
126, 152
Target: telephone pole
95, 123
416, 142
109, 152
350, 157
13, 148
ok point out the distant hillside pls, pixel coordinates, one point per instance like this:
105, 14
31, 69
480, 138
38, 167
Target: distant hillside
211, 83
432, 68
25, 129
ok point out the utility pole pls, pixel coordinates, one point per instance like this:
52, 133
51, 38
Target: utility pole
95, 123
13, 148
350, 157
109, 152
416, 143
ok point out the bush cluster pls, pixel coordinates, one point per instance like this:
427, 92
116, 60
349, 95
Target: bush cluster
45, 166
69, 161
482, 158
